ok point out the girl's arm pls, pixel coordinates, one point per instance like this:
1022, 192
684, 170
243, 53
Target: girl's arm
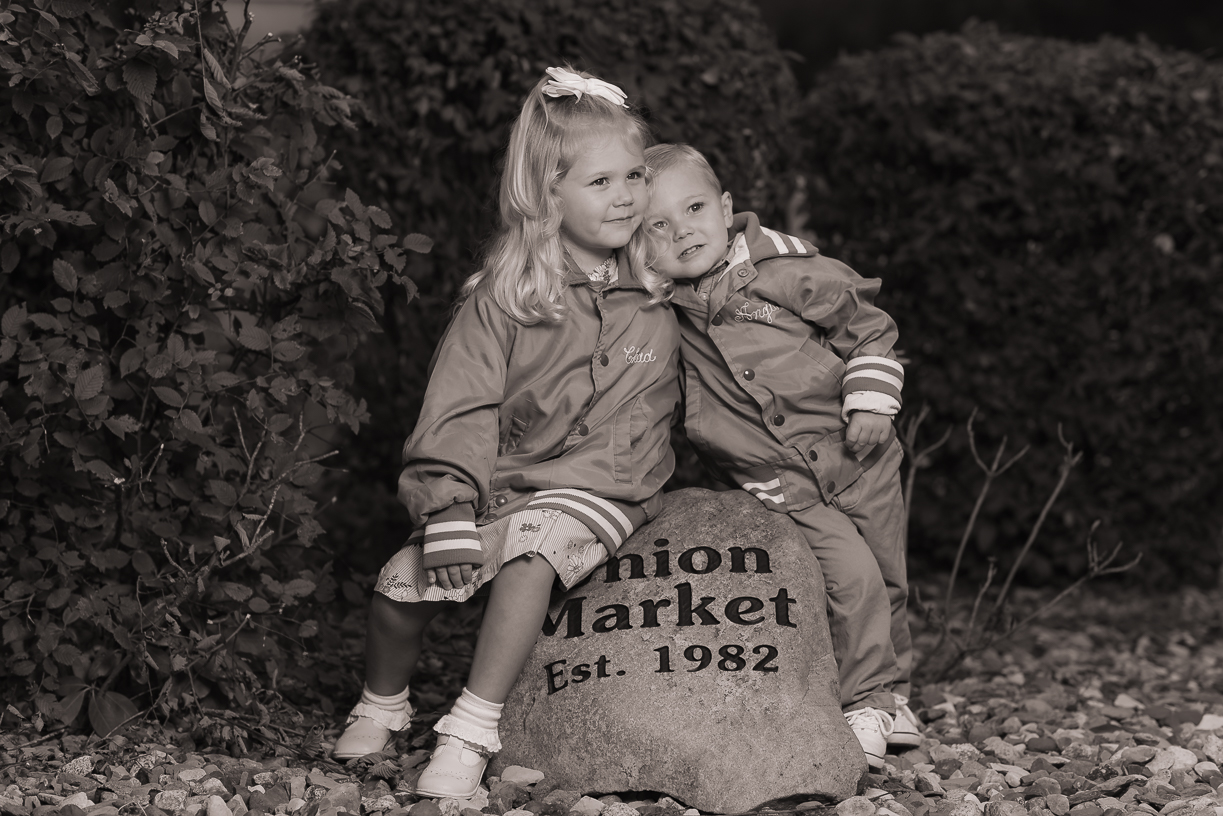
449, 457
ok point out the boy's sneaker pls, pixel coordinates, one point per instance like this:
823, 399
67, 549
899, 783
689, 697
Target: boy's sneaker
906, 730
872, 727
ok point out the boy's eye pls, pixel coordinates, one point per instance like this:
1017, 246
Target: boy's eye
636, 174
601, 180
696, 208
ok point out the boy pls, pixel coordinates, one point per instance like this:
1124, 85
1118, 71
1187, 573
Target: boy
790, 385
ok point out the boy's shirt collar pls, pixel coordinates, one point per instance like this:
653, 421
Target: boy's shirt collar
735, 255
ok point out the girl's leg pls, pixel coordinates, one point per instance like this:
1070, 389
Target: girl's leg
513, 619
393, 638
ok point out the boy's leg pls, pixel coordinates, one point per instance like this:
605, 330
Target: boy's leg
878, 513
859, 618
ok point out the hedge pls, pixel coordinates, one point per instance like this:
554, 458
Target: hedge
1046, 217
180, 307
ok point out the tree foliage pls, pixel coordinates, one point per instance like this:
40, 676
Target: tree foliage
179, 309
1046, 218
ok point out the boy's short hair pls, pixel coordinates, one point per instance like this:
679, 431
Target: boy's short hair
663, 157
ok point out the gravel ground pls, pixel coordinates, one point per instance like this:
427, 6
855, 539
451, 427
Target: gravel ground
1112, 704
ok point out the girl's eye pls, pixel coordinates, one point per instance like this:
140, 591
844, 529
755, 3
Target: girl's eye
659, 225
635, 175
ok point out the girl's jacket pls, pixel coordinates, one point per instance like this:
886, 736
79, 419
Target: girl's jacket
574, 415
764, 359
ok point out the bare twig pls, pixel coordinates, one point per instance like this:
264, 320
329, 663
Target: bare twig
992, 472
1069, 460
918, 459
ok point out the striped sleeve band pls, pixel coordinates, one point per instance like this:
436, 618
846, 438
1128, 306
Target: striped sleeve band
612, 522
451, 538
880, 374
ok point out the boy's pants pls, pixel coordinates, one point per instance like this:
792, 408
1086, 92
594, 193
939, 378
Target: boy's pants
859, 542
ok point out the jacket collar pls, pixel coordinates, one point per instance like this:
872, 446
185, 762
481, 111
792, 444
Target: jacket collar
764, 243
626, 276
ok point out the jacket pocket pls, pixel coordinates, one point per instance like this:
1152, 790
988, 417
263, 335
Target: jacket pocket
511, 434
826, 359
632, 423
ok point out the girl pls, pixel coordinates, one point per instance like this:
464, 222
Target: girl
544, 438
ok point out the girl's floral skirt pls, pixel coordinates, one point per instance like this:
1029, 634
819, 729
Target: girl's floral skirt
570, 547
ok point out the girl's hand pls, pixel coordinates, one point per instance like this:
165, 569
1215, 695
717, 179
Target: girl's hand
867, 429
451, 577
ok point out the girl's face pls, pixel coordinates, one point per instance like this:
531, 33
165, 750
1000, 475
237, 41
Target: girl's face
603, 197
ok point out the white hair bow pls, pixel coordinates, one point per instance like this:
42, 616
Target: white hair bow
567, 83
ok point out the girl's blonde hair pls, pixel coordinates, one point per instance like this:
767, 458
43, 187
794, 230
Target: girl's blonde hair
525, 264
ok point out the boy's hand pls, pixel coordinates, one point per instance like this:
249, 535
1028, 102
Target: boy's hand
867, 429
451, 577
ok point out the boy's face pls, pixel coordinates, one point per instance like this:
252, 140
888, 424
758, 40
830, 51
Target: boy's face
688, 220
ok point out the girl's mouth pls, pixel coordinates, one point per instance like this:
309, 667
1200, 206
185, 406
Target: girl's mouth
692, 250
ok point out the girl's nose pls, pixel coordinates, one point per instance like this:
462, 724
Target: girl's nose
682, 232
624, 195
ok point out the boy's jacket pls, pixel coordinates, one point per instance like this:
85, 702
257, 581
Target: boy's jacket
763, 362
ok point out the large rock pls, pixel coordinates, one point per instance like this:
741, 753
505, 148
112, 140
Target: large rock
697, 664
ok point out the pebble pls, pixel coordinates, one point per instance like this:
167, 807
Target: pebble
994, 745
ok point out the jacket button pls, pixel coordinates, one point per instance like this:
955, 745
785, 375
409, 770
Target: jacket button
779, 420
748, 374
743, 273
582, 429
490, 516
813, 454
832, 487
603, 360
501, 500
717, 320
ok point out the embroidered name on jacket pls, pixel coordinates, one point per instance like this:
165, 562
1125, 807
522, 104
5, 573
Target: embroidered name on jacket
633, 355
765, 313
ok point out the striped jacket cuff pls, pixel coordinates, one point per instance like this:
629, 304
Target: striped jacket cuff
450, 538
880, 374
612, 522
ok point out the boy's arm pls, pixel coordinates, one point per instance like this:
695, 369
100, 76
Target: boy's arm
831, 296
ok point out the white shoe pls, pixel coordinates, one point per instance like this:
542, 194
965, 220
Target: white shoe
872, 728
906, 731
454, 770
362, 736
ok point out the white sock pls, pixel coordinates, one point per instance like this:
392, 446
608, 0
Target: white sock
474, 720
395, 702
392, 712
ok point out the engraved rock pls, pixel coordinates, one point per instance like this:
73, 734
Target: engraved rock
697, 663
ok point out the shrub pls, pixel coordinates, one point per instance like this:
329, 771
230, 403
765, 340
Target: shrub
175, 344
1046, 218
444, 79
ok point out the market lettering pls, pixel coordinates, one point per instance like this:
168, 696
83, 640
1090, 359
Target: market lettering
710, 560
681, 609
688, 612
